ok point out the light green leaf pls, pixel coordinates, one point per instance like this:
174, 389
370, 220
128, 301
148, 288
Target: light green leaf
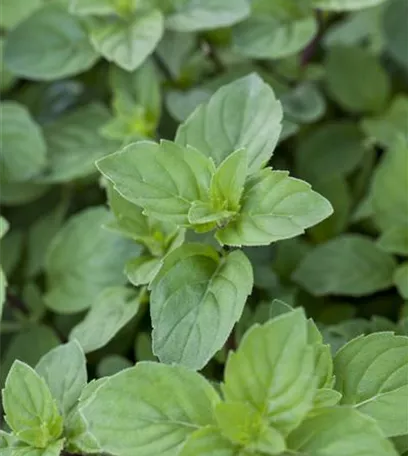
50, 44
356, 80
330, 150
196, 299
401, 279
245, 427
350, 265
94, 7
162, 406
64, 371
18, 193
283, 389
23, 147
274, 207
30, 409
340, 431
389, 203
243, 114
53, 449
195, 15
7, 442
143, 347
372, 374
163, 178
28, 346
394, 240
181, 104
131, 222
209, 442
228, 182
345, 5
15, 11
83, 259
395, 30
205, 217
110, 312
390, 124
127, 41
74, 144
268, 37
142, 270
4, 226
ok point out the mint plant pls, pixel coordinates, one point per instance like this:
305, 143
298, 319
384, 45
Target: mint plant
204, 228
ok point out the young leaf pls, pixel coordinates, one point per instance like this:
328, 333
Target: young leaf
52, 449
394, 240
356, 80
350, 265
228, 182
243, 114
274, 207
205, 217
161, 407
245, 427
163, 178
127, 42
340, 431
84, 259
92, 7
23, 146
209, 441
196, 299
113, 308
142, 270
195, 15
372, 374
268, 37
401, 279
64, 370
31, 412
50, 44
284, 386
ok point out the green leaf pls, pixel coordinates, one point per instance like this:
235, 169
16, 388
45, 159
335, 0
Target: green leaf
30, 409
163, 178
4, 226
18, 193
394, 240
131, 222
196, 299
388, 201
83, 259
372, 374
111, 365
350, 265
345, 5
15, 11
23, 146
50, 44
74, 144
127, 41
330, 150
93, 7
274, 207
28, 346
64, 371
205, 217
395, 30
7, 78
268, 37
245, 427
195, 15
228, 181
390, 124
401, 279
284, 386
340, 431
243, 114
209, 442
112, 310
142, 270
356, 80
53, 449
181, 104
162, 406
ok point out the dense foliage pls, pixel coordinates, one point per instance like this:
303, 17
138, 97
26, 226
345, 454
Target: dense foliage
204, 185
